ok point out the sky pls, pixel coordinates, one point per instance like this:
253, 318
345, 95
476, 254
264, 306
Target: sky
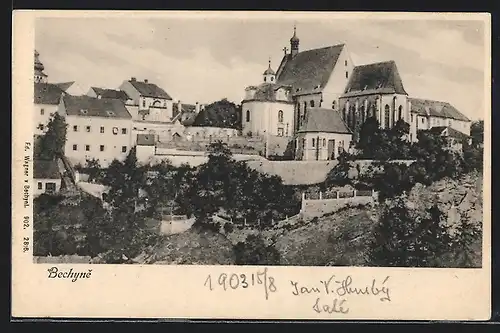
206, 59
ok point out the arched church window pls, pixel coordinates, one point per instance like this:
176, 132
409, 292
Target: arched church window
400, 112
265, 79
312, 104
324, 142
387, 116
314, 142
280, 116
248, 116
272, 79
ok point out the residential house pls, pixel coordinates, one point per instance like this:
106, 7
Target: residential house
455, 139
46, 177
426, 114
374, 90
323, 136
147, 101
97, 128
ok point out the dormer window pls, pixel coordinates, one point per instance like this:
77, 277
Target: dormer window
110, 113
84, 111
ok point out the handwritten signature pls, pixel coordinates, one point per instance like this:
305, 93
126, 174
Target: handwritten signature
344, 287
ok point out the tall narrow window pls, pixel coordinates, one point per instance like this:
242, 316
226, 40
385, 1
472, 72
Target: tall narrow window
143, 103
42, 112
314, 142
387, 116
400, 112
102, 129
345, 62
334, 105
87, 147
346, 75
248, 116
280, 116
312, 104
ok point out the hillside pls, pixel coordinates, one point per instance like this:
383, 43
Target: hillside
190, 248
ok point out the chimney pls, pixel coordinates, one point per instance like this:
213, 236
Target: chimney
197, 107
145, 80
99, 96
133, 79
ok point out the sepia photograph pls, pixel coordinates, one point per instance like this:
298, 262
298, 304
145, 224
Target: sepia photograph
314, 144
307, 141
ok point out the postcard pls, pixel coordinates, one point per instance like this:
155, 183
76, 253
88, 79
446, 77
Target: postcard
251, 165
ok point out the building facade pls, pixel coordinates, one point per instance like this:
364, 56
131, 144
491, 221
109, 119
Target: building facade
327, 78
46, 177
426, 114
147, 101
46, 96
307, 79
322, 136
97, 129
374, 90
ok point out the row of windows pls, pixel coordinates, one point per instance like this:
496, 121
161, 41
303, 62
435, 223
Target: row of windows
280, 116
272, 79
88, 129
101, 148
322, 142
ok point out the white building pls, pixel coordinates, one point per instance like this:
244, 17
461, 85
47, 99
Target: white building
322, 136
147, 101
46, 96
97, 128
46, 177
374, 90
426, 114
307, 79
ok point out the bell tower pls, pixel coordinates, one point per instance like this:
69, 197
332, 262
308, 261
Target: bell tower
294, 42
39, 75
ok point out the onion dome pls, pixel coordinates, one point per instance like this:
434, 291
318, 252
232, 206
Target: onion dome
38, 65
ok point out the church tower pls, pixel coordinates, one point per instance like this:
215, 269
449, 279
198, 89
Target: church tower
269, 74
294, 43
39, 75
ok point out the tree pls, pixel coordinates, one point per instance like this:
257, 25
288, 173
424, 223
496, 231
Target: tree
51, 144
253, 251
403, 240
221, 113
477, 132
93, 169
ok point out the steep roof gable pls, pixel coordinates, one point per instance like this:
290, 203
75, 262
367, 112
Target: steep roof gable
381, 77
309, 71
110, 93
425, 107
324, 120
45, 169
87, 106
47, 93
149, 89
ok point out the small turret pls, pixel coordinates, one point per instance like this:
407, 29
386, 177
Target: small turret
269, 74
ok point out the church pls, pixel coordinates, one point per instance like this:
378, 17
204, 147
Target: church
318, 99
